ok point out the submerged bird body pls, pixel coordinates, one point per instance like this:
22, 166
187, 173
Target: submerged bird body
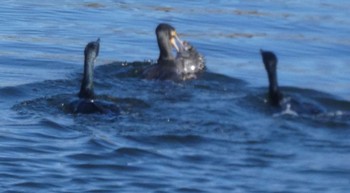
185, 65
166, 71
86, 106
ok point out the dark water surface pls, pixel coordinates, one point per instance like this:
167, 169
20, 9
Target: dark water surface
215, 134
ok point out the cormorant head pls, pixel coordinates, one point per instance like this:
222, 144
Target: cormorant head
166, 38
269, 60
92, 50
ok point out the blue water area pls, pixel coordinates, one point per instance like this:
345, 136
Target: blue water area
213, 134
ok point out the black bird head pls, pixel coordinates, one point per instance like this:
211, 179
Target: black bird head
166, 38
269, 60
92, 49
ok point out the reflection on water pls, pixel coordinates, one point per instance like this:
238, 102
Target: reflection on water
215, 134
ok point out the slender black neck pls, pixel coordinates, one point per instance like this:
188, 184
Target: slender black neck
87, 84
274, 93
164, 48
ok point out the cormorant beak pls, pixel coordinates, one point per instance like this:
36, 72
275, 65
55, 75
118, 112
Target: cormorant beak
180, 42
175, 39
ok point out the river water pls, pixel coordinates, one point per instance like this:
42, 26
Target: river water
214, 134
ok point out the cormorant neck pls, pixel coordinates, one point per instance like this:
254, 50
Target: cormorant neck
275, 95
87, 84
165, 49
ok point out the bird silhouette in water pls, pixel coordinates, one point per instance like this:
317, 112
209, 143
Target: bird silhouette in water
87, 103
187, 64
276, 98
